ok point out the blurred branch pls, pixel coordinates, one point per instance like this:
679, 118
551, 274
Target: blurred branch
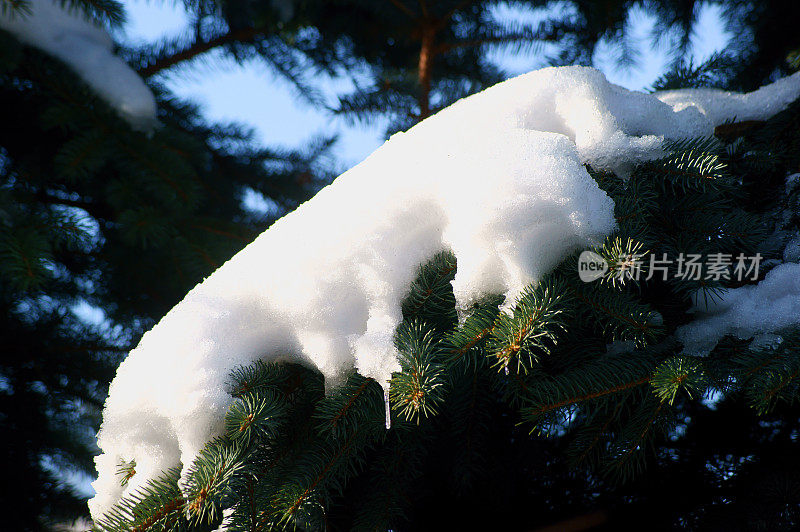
198, 48
399, 5
426, 54
732, 130
576, 524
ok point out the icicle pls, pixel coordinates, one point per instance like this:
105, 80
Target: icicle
505, 368
388, 409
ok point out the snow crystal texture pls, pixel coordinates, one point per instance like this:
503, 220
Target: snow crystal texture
88, 50
498, 178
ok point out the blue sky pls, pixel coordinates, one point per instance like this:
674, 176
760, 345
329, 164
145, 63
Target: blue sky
252, 95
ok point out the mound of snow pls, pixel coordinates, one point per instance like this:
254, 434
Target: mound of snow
498, 178
88, 50
746, 312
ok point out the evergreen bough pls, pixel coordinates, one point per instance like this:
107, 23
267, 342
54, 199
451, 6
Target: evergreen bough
588, 374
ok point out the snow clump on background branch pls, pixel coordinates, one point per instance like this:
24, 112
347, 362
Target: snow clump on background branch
87, 49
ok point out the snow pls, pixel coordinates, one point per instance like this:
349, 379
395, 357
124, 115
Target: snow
791, 252
79, 525
722, 106
498, 178
746, 312
765, 342
88, 49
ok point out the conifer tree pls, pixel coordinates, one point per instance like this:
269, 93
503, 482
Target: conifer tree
97, 214
409, 59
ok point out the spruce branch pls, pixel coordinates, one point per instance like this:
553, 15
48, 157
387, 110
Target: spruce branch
618, 314
626, 457
678, 374
213, 481
531, 332
157, 506
199, 47
355, 404
126, 470
417, 389
255, 417
431, 298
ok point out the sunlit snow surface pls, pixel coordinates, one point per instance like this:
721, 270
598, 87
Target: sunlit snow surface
88, 50
498, 178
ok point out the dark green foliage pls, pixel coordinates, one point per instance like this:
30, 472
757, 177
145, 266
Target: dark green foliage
465, 345
430, 299
136, 511
212, 481
416, 390
680, 374
253, 416
770, 373
711, 73
768, 42
357, 402
408, 59
591, 377
96, 215
528, 334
